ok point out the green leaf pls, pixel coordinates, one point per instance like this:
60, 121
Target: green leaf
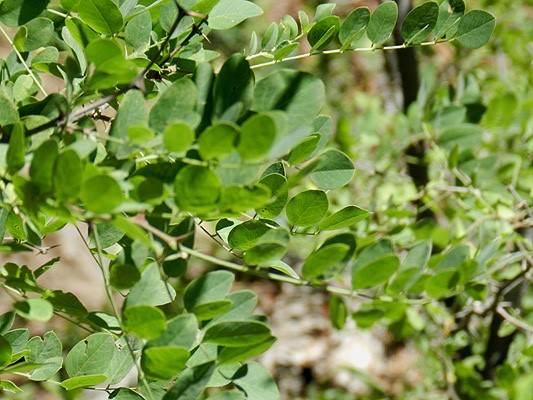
197, 188
256, 382
454, 258
298, 93
279, 192
101, 194
228, 395
83, 381
264, 252
354, 26
39, 33
237, 333
282, 267
323, 11
232, 92
176, 103
47, 351
181, 332
257, 136
125, 394
243, 305
178, 136
285, 50
461, 135
191, 383
123, 276
18, 339
207, 288
151, 290
450, 12
5, 352
42, 165
144, 321
218, 140
324, 259
246, 235
103, 16
163, 362
132, 230
323, 32
338, 312
16, 12
121, 363
9, 386
375, 273
442, 284
304, 150
239, 354
35, 310
382, 22
307, 208
67, 175
90, 356
419, 22
207, 311
15, 155
418, 256
204, 6
380, 248
6, 321
475, 29
138, 30
335, 169
344, 218
228, 13
131, 112
8, 112
24, 87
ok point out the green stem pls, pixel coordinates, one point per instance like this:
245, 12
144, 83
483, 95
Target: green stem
334, 51
116, 311
23, 62
272, 276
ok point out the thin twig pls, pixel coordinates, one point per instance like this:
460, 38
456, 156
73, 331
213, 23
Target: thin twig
23, 62
514, 321
334, 51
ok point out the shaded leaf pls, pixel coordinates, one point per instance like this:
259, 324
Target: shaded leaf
237, 333
324, 259
419, 22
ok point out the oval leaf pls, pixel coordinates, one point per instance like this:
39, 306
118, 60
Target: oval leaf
419, 23
382, 22
335, 169
324, 259
475, 29
237, 333
307, 208
344, 218
103, 16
